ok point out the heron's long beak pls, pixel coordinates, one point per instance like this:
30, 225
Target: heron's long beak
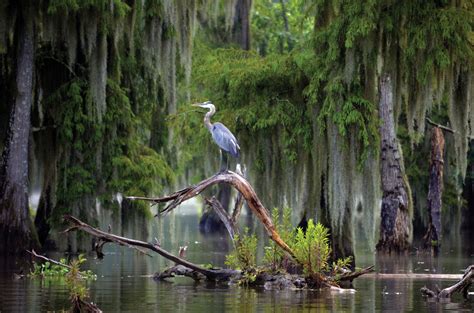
196, 104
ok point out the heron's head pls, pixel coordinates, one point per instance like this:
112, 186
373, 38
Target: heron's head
205, 105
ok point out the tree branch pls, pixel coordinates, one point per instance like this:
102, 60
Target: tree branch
353, 275
445, 128
39, 256
461, 286
223, 216
242, 186
79, 225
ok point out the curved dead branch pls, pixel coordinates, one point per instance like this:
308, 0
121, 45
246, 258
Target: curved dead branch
210, 274
236, 181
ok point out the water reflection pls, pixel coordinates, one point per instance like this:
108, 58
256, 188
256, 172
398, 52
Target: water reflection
122, 284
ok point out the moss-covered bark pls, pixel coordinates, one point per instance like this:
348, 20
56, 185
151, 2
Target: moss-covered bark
16, 229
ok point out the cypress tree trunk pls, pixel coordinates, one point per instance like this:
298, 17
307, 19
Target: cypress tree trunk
435, 190
16, 229
242, 24
395, 228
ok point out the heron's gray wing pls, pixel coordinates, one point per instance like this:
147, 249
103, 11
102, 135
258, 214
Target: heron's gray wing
225, 139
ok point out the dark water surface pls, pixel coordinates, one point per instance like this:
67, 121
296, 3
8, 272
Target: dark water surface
123, 285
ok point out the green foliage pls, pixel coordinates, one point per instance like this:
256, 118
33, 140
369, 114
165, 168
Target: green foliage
139, 169
243, 257
351, 112
76, 280
127, 164
52, 270
254, 96
117, 8
278, 26
341, 266
275, 258
312, 249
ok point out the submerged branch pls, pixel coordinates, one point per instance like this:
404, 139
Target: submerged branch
107, 237
461, 286
242, 186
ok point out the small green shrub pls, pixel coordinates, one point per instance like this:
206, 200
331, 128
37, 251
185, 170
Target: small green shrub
275, 258
312, 248
243, 257
75, 278
341, 266
48, 269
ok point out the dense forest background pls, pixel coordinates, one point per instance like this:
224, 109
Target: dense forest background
95, 104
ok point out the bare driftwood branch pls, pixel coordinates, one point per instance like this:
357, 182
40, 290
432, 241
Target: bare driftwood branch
445, 128
223, 216
236, 181
239, 202
106, 237
461, 286
353, 275
39, 256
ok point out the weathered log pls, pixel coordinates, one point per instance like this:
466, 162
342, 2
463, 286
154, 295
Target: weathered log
461, 286
239, 183
435, 191
180, 270
101, 235
395, 228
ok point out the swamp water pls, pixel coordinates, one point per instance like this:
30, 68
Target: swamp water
123, 283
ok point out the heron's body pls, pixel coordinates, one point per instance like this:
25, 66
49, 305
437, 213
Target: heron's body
220, 133
225, 139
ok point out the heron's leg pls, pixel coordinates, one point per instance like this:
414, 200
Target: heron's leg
223, 161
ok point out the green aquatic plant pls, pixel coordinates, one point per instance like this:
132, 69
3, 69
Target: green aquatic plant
312, 249
244, 255
275, 258
76, 280
62, 269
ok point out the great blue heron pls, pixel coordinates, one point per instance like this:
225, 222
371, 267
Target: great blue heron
221, 134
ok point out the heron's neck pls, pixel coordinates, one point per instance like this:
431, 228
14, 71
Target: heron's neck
207, 118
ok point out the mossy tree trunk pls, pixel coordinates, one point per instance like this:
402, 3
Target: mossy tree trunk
242, 24
16, 227
395, 228
435, 191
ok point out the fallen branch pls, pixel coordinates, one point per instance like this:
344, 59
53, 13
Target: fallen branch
461, 286
107, 237
39, 256
353, 275
236, 181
